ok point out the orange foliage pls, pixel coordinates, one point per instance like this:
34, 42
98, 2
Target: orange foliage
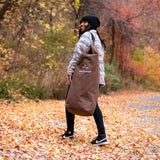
151, 62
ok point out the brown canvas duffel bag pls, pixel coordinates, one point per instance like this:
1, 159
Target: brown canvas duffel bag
83, 92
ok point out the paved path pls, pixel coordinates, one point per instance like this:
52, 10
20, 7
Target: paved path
148, 118
146, 107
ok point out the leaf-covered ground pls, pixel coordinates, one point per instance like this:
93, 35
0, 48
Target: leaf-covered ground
29, 129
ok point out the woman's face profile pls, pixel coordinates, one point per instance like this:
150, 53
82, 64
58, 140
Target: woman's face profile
83, 25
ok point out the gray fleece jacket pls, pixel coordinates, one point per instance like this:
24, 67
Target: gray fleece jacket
84, 42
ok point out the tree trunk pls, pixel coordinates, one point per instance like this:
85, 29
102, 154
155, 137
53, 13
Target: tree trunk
51, 20
76, 12
113, 42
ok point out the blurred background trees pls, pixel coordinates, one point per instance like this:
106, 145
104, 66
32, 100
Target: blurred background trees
37, 38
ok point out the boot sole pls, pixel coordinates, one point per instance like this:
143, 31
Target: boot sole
100, 144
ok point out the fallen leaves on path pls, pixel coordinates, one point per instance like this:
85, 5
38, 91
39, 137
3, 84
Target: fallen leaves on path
29, 130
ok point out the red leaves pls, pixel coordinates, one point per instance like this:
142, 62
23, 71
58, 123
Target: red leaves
131, 65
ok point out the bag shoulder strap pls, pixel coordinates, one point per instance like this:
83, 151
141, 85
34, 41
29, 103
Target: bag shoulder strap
93, 38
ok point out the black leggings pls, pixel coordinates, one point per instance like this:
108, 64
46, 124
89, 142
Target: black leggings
97, 116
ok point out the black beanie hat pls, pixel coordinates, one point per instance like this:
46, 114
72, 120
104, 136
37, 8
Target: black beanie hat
92, 20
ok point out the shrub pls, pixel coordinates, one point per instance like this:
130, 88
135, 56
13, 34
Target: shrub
112, 81
15, 88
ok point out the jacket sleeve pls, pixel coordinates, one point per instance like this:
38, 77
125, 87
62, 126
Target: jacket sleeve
83, 43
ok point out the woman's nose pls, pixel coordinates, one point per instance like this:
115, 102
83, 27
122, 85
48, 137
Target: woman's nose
82, 24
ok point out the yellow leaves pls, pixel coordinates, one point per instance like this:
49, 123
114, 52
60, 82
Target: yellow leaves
53, 14
42, 4
47, 26
2, 50
19, 2
151, 61
66, 9
33, 46
59, 27
41, 22
42, 42
104, 148
77, 3
6, 142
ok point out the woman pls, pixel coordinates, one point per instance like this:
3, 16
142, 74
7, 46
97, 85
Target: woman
88, 25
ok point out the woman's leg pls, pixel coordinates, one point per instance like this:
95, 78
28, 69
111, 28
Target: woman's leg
70, 121
99, 120
69, 133
69, 118
101, 138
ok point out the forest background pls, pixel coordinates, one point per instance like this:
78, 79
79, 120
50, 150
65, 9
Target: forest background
37, 39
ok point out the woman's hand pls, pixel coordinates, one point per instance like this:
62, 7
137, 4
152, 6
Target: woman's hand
69, 79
